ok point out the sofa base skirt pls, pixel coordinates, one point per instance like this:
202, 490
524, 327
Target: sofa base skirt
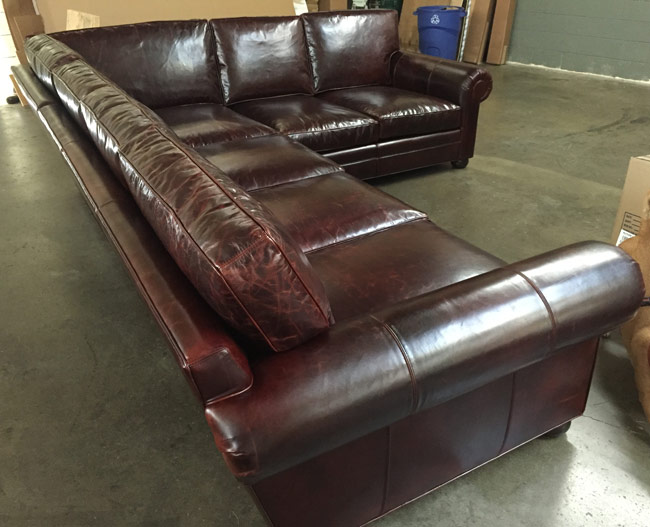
399, 155
367, 478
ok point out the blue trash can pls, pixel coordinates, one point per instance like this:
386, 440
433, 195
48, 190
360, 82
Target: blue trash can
439, 28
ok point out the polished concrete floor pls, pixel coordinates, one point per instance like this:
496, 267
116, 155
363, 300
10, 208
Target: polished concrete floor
97, 424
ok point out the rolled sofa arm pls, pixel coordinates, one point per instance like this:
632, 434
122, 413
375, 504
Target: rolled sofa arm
369, 372
459, 83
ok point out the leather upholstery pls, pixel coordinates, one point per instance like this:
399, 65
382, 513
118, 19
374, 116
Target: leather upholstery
351, 48
400, 113
176, 55
394, 362
207, 123
313, 122
262, 57
435, 342
323, 211
394, 265
266, 161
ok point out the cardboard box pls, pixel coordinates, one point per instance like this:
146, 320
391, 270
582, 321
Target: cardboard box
332, 5
504, 14
23, 22
79, 20
480, 19
633, 200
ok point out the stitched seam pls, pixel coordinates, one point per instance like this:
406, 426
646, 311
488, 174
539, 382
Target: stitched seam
387, 473
243, 252
512, 404
336, 171
414, 384
424, 217
551, 315
337, 129
444, 145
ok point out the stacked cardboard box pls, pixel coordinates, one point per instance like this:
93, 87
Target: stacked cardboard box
312, 5
23, 21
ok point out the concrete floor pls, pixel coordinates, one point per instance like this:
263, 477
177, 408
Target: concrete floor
97, 424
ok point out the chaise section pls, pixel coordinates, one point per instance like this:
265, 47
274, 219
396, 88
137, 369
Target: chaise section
316, 123
400, 113
327, 210
208, 123
379, 368
267, 161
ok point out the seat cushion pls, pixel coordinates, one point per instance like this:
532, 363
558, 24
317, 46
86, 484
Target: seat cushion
262, 57
331, 209
203, 124
400, 113
316, 123
351, 48
395, 264
267, 161
158, 63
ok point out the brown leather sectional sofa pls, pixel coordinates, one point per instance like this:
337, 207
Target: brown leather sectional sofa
350, 354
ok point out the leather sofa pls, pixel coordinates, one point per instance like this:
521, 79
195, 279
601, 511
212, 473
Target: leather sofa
350, 355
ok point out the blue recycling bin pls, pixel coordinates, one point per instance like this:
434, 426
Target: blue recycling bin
439, 28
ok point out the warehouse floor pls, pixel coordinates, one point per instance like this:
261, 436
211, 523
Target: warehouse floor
97, 424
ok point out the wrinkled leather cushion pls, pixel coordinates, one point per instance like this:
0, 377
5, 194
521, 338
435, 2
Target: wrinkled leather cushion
331, 209
204, 124
393, 265
262, 57
227, 243
317, 124
351, 48
400, 113
267, 161
158, 63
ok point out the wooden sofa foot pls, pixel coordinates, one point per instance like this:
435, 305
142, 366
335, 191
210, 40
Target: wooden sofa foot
557, 432
460, 163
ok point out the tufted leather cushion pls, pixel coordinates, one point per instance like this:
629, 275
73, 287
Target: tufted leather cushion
262, 57
315, 123
158, 63
206, 123
349, 48
400, 113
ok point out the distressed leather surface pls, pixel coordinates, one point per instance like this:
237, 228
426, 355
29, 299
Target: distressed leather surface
322, 211
160, 64
315, 123
267, 161
351, 48
208, 123
262, 57
400, 113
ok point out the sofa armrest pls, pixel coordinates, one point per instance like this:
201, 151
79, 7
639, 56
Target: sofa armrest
453, 81
367, 373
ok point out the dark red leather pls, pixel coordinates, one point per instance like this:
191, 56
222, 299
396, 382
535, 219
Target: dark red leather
45, 53
327, 210
350, 48
414, 355
399, 263
159, 63
400, 113
33, 90
266, 161
313, 122
459, 83
262, 57
207, 123
213, 363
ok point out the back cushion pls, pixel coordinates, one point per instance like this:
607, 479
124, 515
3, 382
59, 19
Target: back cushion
44, 54
158, 63
262, 57
227, 243
351, 48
